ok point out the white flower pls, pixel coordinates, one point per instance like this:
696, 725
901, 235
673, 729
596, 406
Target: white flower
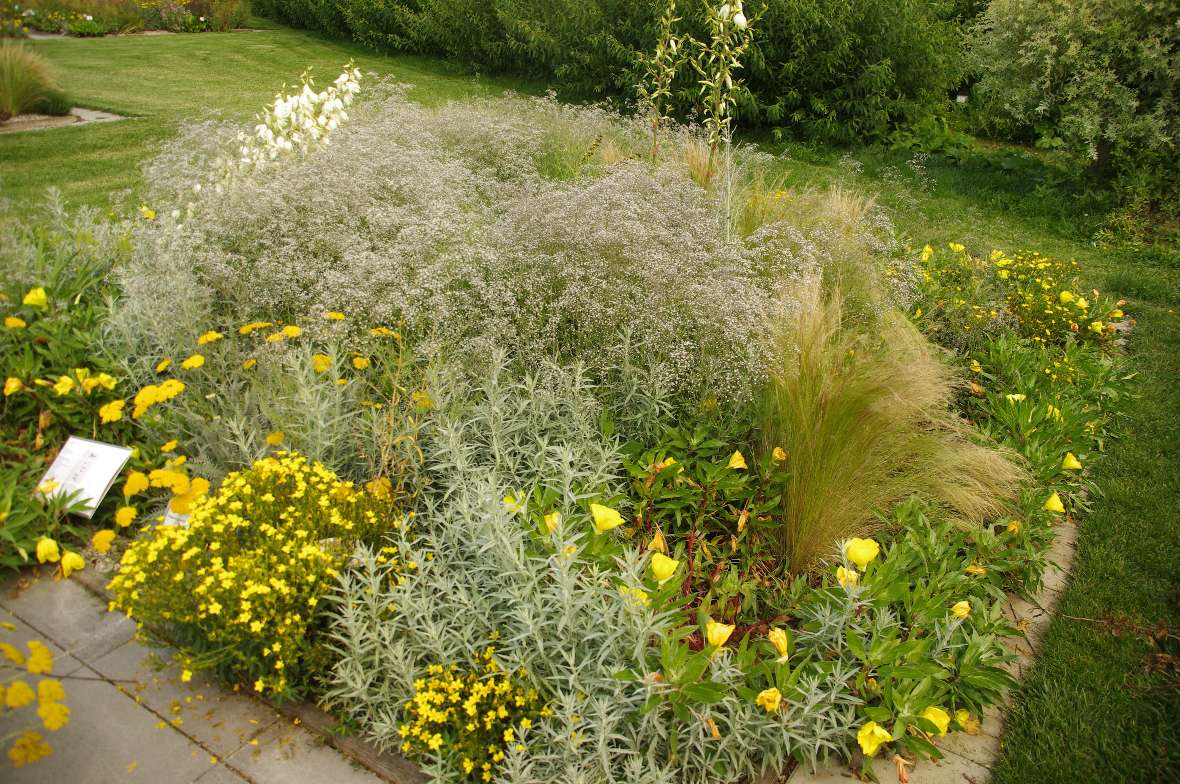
739, 20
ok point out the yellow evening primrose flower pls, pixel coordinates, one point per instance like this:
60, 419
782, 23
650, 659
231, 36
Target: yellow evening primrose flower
552, 521
1097, 327
193, 362
111, 412
12, 386
1014, 398
212, 336
781, 641
604, 518
360, 363
861, 552
1070, 462
334, 315
1065, 297
770, 699
47, 550
927, 252
1054, 412
321, 363
964, 720
1053, 504
512, 505
36, 298
663, 567
163, 364
938, 717
275, 438
717, 633
846, 577
71, 562
1116, 314
778, 455
658, 543
137, 482
101, 541
956, 247
292, 331
961, 609
737, 461
1081, 303
54, 715
19, 694
249, 363
871, 736
64, 386
15, 322
976, 570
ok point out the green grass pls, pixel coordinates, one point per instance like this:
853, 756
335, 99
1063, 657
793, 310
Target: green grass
1088, 711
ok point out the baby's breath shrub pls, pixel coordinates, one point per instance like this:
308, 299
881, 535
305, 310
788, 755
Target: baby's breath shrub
239, 588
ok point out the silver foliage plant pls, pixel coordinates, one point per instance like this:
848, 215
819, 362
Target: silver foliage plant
482, 579
514, 223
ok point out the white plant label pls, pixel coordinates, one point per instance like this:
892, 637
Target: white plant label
88, 468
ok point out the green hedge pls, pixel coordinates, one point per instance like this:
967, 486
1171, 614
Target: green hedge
822, 68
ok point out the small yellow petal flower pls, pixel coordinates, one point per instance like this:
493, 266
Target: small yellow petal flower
1053, 504
169, 446
54, 715
778, 455
321, 363
47, 550
512, 505
249, 363
275, 438
15, 322
663, 567
360, 363
334, 315
193, 362
976, 367
961, 609
71, 562
862, 552
212, 336
871, 736
604, 518
164, 364
976, 570
1014, 527
938, 717
717, 633
137, 482
101, 541
19, 694
781, 642
956, 247
770, 699
552, 521
1065, 297
292, 331
927, 252
186, 676
846, 577
112, 411
36, 298
50, 690
1071, 463
12, 386
737, 461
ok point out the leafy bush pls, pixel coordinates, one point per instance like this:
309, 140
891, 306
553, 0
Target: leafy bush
26, 79
240, 585
1098, 80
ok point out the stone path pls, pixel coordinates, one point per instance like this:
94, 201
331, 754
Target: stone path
131, 717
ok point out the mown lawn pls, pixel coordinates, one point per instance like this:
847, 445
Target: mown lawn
1091, 710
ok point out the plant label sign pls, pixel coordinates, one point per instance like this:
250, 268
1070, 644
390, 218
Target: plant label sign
87, 468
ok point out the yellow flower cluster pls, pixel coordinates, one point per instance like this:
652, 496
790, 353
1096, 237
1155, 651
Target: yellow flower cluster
1041, 297
243, 580
16, 693
473, 717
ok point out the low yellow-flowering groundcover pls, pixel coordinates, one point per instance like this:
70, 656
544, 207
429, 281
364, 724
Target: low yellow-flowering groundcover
540, 452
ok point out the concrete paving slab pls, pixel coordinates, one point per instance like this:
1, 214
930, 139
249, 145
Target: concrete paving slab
219, 774
951, 770
69, 615
63, 663
286, 754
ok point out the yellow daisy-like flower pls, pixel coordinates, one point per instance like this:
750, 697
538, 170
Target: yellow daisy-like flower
15, 322
193, 362
163, 364
19, 694
254, 326
321, 363
50, 690
101, 541
54, 715
334, 315
137, 482
111, 412
360, 363
275, 438
169, 446
292, 331
212, 336
40, 660
28, 748
249, 363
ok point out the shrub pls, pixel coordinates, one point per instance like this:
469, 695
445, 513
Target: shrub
867, 423
25, 79
240, 586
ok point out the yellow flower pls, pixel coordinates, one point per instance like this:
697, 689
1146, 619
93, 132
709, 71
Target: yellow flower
1071, 463
605, 518
976, 367
249, 363
552, 521
964, 720
938, 717
15, 322
47, 487
737, 461
50, 690
846, 577
781, 642
28, 748
321, 363
36, 298
64, 386
861, 552
19, 695
1081, 303
292, 331
1015, 398
778, 455
770, 699
1065, 297
54, 715
871, 736
1053, 504
137, 482
976, 570
383, 332
275, 438
1097, 327
169, 446
927, 252
360, 363
40, 659
12, 386
71, 562
101, 541
961, 609
164, 364
112, 411
334, 315
47, 550
211, 336
717, 633
1014, 527
1116, 314
1054, 412
253, 326
512, 505
193, 362
663, 567
186, 676
658, 544
147, 212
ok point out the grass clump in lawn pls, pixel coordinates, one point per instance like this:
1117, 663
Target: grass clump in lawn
27, 83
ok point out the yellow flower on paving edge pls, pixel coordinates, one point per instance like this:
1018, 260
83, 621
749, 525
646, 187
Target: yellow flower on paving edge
964, 720
1070, 462
321, 363
1053, 504
54, 715
101, 541
112, 411
50, 690
36, 298
604, 518
47, 550
19, 694
737, 461
871, 736
275, 438
40, 659
938, 717
12, 386
71, 562
846, 577
663, 567
961, 609
862, 552
14, 322
781, 642
137, 482
125, 516
28, 748
770, 699
717, 633
193, 362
